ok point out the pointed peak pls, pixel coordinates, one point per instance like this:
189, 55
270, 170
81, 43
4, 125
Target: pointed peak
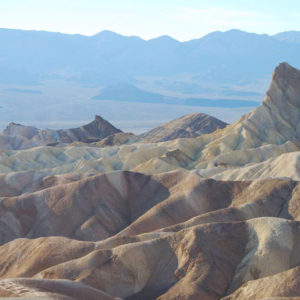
13, 124
98, 118
284, 70
106, 33
164, 38
100, 122
100, 128
282, 96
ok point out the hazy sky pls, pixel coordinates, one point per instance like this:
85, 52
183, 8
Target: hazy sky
182, 19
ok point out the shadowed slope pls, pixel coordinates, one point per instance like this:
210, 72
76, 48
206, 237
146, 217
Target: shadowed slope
98, 207
170, 235
201, 262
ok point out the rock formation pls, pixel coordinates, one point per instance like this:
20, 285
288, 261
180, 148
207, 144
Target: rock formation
17, 136
211, 217
188, 126
265, 133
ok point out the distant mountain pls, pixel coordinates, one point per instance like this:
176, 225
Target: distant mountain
232, 56
130, 93
16, 136
288, 36
188, 126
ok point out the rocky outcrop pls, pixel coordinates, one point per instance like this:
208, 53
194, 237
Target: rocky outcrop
274, 122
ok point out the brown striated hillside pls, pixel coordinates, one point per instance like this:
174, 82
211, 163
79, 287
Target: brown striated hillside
144, 237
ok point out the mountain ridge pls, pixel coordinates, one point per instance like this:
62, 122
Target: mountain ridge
16, 136
188, 126
110, 32
145, 58
164, 243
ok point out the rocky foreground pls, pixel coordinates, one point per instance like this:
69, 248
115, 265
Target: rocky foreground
212, 216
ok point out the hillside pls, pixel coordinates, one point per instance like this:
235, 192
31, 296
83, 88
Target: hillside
182, 236
188, 126
214, 216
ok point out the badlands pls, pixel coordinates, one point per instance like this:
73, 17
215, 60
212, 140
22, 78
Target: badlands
194, 209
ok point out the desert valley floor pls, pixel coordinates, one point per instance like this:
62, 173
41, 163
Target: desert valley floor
193, 209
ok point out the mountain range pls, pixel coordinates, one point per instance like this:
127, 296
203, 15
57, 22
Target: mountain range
107, 57
53, 79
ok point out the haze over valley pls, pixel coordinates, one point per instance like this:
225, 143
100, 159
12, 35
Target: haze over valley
41, 84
